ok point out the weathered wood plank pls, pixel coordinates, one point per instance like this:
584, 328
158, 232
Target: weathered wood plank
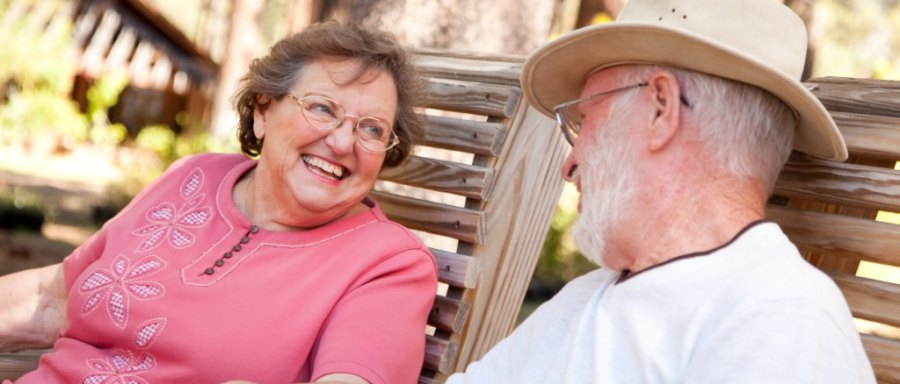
458, 223
92, 61
15, 364
527, 192
84, 25
470, 69
456, 270
870, 136
866, 96
478, 137
840, 235
445, 176
475, 98
448, 314
870, 299
883, 354
439, 354
841, 183
476, 57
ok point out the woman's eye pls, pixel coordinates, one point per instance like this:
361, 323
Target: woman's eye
372, 129
320, 108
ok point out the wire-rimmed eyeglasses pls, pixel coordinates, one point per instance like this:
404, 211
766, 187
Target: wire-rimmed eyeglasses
324, 114
569, 118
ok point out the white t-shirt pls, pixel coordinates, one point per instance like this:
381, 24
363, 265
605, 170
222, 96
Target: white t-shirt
751, 311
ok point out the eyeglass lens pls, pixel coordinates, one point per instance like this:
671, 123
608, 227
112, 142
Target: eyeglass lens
324, 114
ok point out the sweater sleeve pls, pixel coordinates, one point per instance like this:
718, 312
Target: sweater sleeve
92, 249
377, 329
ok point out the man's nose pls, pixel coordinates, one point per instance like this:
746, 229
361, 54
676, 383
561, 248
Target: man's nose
569, 168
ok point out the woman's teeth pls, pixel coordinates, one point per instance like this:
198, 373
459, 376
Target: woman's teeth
324, 166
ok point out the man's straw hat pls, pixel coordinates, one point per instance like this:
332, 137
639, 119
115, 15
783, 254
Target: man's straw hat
758, 42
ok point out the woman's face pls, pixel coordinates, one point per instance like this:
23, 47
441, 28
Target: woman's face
315, 176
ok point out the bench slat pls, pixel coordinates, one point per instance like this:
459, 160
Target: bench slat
427, 380
871, 97
883, 354
870, 136
444, 176
479, 99
469, 69
846, 184
439, 354
478, 137
870, 299
458, 223
840, 235
448, 314
460, 271
15, 364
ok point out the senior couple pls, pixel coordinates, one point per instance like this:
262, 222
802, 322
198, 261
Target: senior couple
280, 269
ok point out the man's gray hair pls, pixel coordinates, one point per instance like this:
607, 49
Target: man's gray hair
748, 131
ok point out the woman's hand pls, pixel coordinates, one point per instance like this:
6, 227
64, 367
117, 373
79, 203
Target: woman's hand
32, 308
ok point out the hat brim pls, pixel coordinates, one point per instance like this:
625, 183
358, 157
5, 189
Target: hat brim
556, 73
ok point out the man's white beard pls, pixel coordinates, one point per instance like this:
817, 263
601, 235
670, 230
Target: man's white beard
608, 176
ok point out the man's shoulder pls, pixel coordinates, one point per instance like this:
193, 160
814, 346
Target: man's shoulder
581, 288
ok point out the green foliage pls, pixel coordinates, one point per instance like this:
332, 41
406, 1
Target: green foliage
101, 96
104, 94
158, 138
859, 39
35, 58
36, 112
108, 135
36, 69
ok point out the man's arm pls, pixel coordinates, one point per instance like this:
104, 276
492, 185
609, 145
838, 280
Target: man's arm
32, 308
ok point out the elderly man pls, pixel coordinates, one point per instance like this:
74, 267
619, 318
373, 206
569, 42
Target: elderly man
687, 111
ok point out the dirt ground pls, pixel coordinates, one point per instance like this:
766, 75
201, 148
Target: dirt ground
68, 207
22, 250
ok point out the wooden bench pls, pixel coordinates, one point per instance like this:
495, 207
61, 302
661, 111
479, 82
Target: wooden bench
487, 182
829, 208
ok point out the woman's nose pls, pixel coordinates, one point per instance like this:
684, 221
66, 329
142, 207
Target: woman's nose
342, 139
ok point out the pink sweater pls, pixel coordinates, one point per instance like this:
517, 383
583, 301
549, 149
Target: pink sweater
351, 296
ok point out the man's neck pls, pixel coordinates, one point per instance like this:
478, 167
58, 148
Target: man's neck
691, 221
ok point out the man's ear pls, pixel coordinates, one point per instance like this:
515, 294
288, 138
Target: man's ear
666, 106
259, 116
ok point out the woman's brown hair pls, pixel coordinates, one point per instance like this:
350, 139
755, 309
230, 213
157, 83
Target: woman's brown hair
272, 76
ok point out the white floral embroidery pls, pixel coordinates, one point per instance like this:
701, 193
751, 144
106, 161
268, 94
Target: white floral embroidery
115, 287
148, 332
167, 222
120, 367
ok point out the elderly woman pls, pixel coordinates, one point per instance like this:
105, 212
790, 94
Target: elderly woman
273, 270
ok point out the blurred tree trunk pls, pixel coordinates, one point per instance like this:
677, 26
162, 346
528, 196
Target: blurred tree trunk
302, 13
806, 10
245, 42
499, 26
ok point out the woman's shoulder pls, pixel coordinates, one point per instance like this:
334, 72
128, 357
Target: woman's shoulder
208, 160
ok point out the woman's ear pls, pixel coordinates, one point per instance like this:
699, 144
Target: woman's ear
666, 120
259, 116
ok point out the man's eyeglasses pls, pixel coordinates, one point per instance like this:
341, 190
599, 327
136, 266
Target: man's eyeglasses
569, 118
325, 114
